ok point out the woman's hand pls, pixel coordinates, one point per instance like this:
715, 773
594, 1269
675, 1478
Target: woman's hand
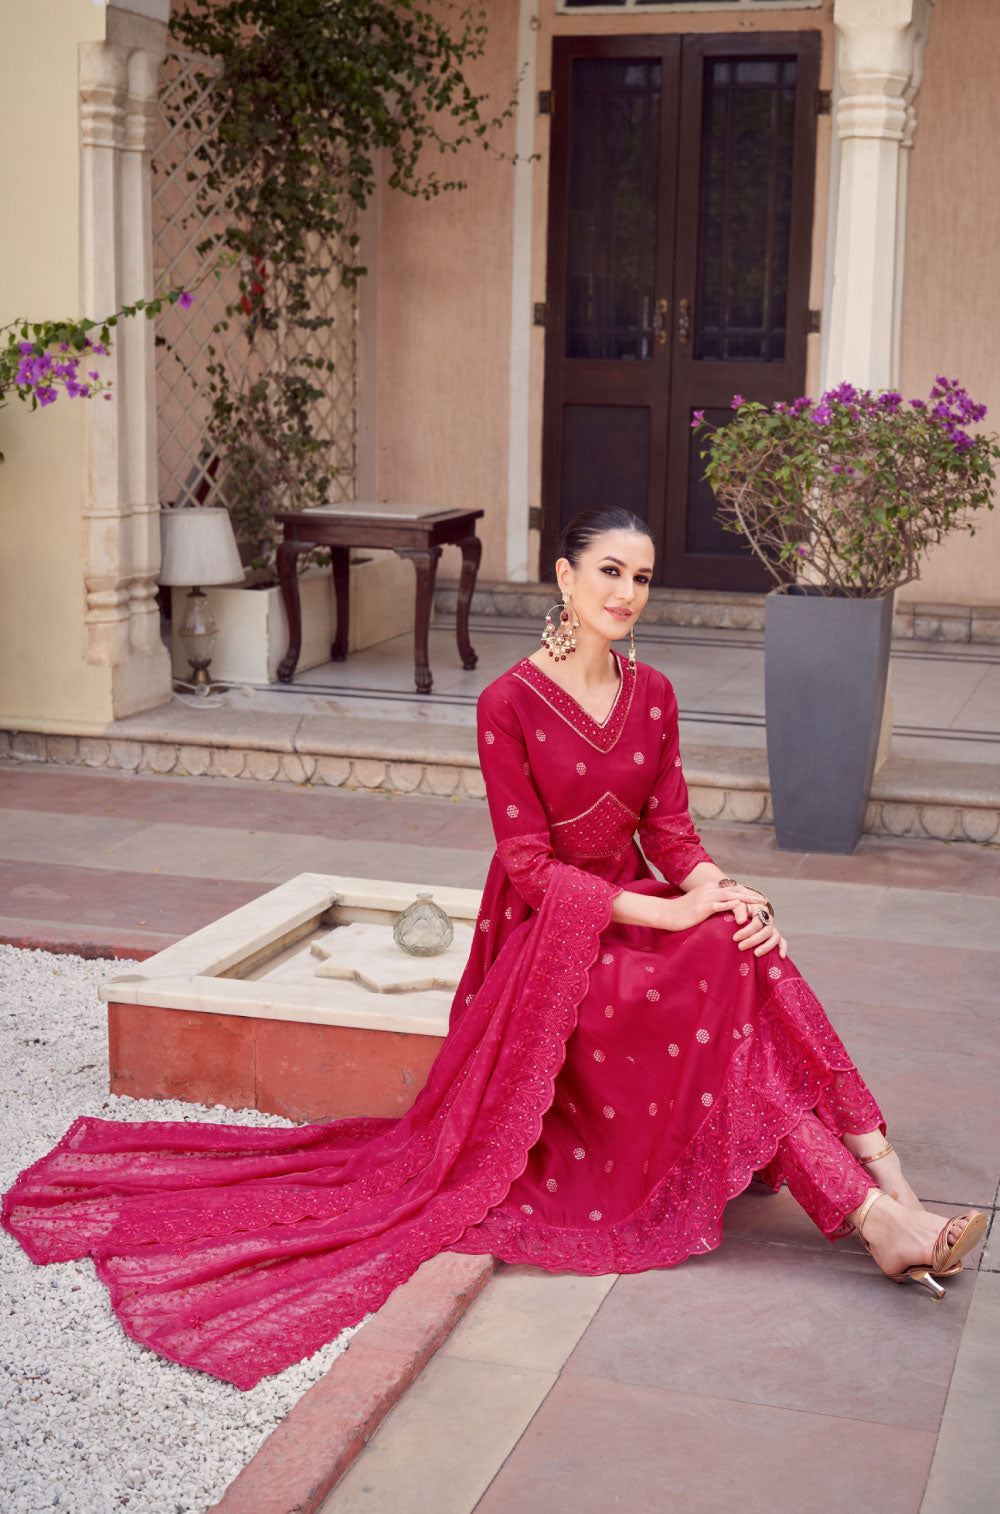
758, 932
761, 933
708, 899
701, 902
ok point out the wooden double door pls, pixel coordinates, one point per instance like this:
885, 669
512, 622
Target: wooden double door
680, 225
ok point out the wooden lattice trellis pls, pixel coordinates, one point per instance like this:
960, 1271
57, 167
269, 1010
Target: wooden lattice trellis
183, 336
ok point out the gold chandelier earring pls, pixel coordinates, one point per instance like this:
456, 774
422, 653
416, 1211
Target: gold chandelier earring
631, 648
560, 639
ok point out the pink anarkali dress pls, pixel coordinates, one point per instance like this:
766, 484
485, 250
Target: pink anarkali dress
603, 1091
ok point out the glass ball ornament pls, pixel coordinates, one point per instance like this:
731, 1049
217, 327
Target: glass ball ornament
423, 929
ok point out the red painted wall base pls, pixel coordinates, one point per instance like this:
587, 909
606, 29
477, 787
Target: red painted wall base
286, 1067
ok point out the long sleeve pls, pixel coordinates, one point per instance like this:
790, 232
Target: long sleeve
666, 831
520, 824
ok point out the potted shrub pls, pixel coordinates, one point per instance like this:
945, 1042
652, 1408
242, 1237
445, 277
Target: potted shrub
840, 498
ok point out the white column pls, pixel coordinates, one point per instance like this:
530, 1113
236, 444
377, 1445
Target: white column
880, 47
107, 567
137, 339
118, 86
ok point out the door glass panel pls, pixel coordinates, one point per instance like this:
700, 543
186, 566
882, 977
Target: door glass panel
748, 119
614, 161
605, 459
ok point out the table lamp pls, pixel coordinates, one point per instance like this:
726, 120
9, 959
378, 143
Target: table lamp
198, 548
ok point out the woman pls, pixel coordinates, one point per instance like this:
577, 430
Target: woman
623, 1055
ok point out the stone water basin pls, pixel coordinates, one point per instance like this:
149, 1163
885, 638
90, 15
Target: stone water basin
244, 1013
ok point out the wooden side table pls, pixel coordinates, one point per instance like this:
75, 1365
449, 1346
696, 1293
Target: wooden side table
409, 531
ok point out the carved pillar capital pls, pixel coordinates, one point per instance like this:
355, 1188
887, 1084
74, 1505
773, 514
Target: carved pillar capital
103, 92
879, 64
143, 87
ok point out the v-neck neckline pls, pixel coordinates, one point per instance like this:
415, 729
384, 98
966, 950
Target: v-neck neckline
601, 734
601, 724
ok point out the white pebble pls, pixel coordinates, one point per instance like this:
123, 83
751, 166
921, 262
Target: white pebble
91, 1418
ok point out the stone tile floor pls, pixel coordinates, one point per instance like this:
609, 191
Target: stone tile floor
777, 1374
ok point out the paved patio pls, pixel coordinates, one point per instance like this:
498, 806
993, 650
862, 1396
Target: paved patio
780, 1373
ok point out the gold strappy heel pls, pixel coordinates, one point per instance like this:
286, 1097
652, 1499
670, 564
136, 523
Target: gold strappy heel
877, 1156
946, 1259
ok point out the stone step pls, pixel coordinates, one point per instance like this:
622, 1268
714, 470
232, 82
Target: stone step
910, 797
912, 620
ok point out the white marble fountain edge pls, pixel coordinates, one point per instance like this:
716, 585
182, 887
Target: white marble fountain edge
187, 974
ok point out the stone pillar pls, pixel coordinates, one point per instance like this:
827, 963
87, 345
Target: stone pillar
137, 339
880, 47
118, 85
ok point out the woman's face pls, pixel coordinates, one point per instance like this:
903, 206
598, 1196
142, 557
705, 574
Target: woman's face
610, 584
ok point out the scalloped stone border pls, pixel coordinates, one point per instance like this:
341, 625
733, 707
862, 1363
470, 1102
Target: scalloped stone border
713, 797
183, 759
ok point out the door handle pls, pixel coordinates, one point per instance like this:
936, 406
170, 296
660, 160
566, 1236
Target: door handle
660, 311
684, 322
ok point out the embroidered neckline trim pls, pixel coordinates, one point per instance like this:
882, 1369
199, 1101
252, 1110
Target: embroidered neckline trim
600, 734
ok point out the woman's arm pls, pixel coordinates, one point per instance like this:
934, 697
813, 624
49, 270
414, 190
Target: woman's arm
670, 840
520, 823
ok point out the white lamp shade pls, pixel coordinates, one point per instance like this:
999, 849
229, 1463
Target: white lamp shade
198, 548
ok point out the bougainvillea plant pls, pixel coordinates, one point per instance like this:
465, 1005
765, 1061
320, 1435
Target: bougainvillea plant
41, 360
849, 491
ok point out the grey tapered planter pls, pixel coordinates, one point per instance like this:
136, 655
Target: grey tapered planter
826, 662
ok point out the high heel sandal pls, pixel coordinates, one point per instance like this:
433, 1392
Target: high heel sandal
946, 1259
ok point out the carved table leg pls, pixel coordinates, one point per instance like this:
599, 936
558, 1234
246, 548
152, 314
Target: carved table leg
288, 578
342, 595
472, 551
425, 561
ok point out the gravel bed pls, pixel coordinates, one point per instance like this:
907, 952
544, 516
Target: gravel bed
92, 1422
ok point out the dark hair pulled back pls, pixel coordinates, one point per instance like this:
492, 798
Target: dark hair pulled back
584, 529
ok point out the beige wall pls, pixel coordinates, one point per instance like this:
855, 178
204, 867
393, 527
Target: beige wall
43, 676
444, 272
951, 302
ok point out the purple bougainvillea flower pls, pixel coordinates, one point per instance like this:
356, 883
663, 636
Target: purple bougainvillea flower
25, 348
737, 401
697, 419
185, 300
93, 374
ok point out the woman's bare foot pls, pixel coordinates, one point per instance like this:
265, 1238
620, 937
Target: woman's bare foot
887, 1171
899, 1237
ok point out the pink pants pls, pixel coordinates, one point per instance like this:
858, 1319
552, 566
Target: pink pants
821, 1173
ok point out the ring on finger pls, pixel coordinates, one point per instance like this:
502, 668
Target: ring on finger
764, 916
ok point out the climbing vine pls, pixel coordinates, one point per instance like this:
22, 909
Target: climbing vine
306, 103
